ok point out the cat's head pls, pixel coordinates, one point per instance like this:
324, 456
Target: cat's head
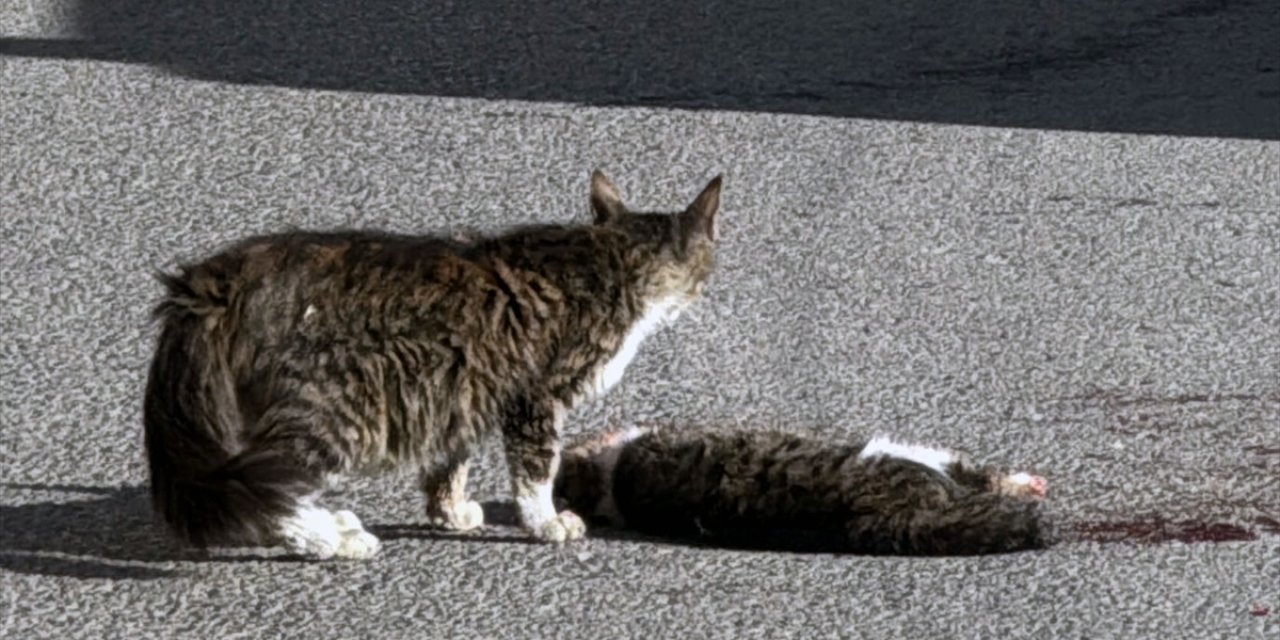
584, 482
675, 251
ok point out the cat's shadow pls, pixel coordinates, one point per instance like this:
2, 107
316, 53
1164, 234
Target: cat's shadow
500, 525
86, 532
111, 533
93, 532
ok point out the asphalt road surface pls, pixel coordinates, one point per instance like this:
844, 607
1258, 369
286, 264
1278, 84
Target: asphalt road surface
1045, 232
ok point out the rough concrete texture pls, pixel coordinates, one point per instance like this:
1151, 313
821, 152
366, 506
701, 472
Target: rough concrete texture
1050, 236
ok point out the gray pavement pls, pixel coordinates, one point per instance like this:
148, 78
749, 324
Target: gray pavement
1049, 236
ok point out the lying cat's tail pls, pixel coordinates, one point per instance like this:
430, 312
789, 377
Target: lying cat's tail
973, 524
205, 489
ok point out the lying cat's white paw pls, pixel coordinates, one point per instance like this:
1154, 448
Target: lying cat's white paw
459, 516
565, 526
1025, 485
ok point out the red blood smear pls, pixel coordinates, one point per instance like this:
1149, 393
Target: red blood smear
1259, 610
1157, 530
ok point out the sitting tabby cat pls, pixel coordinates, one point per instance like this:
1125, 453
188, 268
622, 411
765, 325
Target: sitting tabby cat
286, 359
781, 491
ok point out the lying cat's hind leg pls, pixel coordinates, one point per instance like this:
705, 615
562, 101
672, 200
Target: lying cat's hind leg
977, 523
448, 506
1023, 485
988, 478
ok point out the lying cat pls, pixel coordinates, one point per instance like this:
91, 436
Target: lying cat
286, 359
775, 490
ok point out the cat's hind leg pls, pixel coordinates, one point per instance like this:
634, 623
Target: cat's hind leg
445, 487
995, 480
531, 438
976, 523
316, 532
1023, 485
357, 543
299, 438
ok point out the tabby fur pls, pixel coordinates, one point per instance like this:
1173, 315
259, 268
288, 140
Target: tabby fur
773, 490
286, 359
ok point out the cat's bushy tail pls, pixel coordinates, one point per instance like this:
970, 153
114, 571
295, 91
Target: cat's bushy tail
973, 524
203, 485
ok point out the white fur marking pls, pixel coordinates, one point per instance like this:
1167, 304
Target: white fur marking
311, 311
937, 459
538, 508
358, 545
655, 316
632, 434
462, 515
347, 521
311, 531
323, 534
1020, 478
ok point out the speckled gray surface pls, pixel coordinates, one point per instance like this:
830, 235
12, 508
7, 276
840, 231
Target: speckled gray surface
1103, 308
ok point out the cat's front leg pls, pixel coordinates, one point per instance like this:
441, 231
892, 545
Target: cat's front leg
445, 487
532, 440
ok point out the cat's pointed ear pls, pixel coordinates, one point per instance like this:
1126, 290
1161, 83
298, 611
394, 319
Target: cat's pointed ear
700, 218
606, 202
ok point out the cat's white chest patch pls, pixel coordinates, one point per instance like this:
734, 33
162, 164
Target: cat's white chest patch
937, 459
654, 317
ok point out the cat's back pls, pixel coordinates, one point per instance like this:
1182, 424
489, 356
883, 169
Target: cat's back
365, 260
320, 253
285, 266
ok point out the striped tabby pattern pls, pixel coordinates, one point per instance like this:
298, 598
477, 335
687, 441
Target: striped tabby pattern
781, 491
285, 359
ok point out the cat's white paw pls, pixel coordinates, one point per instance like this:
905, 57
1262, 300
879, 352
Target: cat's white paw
311, 532
358, 545
565, 526
459, 516
1038, 486
347, 521
1026, 485
322, 534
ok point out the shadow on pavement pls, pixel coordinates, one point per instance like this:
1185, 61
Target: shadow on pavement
103, 535
109, 532
501, 526
1182, 67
